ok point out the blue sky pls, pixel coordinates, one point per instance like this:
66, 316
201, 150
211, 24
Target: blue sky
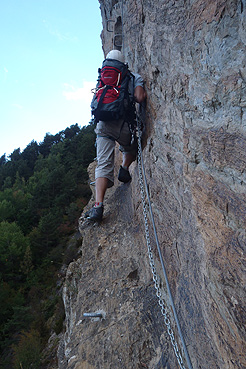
50, 53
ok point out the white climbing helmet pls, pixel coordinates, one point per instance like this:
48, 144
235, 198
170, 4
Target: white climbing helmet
115, 54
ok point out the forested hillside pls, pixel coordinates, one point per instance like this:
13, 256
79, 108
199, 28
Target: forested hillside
42, 192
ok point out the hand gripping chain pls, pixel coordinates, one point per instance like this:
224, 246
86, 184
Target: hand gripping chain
144, 191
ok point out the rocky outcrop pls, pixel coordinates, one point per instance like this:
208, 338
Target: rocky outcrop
192, 55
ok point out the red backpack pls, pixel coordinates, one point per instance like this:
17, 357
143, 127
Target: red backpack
111, 96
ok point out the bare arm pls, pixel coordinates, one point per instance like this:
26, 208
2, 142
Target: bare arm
139, 94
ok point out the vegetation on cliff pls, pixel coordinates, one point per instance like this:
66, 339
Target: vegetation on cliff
42, 192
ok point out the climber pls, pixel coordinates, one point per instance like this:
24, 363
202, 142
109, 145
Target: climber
107, 133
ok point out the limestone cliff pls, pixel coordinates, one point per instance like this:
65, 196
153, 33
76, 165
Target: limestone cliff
192, 56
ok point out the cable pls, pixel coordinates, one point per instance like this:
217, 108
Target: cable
161, 260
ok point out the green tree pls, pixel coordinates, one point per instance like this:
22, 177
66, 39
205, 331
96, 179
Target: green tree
13, 315
30, 155
27, 353
48, 142
3, 160
72, 131
42, 192
26, 265
13, 245
7, 211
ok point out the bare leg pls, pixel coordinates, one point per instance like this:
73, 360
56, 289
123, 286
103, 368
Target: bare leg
96, 212
102, 183
127, 159
101, 187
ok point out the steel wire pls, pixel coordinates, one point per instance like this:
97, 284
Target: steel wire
144, 192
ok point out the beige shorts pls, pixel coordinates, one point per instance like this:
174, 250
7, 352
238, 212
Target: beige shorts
107, 134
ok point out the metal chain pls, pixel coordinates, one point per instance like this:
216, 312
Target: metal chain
164, 310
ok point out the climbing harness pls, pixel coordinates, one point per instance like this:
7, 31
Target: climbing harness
164, 310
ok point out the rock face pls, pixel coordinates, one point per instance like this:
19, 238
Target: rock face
192, 56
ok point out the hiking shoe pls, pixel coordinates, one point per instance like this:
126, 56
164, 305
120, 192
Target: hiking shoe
95, 213
124, 175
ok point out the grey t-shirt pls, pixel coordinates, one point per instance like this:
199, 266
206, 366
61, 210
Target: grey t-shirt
136, 80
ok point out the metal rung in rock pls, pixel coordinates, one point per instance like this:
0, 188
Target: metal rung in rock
95, 316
